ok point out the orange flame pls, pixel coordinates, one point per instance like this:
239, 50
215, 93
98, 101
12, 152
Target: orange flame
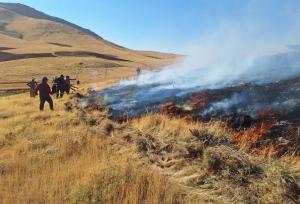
198, 101
267, 114
168, 108
252, 135
264, 150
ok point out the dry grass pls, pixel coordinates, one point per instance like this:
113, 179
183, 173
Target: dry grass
205, 159
60, 157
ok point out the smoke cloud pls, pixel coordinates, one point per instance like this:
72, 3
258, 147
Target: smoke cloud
254, 48
257, 47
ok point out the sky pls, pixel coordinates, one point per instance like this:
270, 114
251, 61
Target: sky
175, 25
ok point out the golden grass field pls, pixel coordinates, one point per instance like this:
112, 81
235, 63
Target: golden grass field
56, 157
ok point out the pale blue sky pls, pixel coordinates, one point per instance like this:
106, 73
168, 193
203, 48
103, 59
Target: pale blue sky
173, 25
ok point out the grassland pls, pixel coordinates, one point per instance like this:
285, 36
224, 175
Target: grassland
57, 157
77, 155
87, 69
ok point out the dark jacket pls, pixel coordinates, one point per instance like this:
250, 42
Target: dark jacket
44, 90
61, 82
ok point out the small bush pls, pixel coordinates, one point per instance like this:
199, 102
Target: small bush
223, 158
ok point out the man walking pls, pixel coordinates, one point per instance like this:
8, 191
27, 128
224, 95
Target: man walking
45, 91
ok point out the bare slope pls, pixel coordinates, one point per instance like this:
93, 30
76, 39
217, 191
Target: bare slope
32, 13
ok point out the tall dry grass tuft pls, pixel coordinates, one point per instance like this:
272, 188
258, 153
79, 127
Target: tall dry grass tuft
124, 183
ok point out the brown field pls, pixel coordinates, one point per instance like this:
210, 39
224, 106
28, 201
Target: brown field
88, 69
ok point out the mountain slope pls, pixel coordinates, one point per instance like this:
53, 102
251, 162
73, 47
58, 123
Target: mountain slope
45, 45
32, 13
22, 22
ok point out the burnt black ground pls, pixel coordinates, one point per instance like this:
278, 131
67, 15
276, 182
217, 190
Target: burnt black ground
282, 97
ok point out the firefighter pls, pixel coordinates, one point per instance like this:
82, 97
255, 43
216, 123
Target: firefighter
68, 84
54, 85
44, 92
32, 85
138, 71
61, 84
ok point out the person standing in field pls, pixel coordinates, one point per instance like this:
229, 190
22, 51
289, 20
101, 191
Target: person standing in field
138, 72
68, 84
32, 85
54, 85
44, 92
60, 86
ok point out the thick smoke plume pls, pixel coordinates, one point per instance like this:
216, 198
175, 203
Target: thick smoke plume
227, 57
255, 46
251, 49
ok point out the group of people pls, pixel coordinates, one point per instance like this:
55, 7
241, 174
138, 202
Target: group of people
60, 85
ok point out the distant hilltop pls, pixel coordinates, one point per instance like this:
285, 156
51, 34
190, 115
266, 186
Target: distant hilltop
13, 10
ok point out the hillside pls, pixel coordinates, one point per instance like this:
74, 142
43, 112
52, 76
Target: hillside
32, 13
35, 44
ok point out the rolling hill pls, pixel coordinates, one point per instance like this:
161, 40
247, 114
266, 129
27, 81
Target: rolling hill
32, 13
36, 44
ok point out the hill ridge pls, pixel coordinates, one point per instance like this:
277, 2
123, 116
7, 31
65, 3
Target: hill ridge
33, 13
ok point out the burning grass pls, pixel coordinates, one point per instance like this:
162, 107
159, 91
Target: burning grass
265, 135
252, 135
205, 158
199, 101
77, 155
263, 117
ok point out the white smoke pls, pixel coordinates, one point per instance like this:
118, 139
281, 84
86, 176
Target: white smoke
242, 50
225, 104
236, 51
